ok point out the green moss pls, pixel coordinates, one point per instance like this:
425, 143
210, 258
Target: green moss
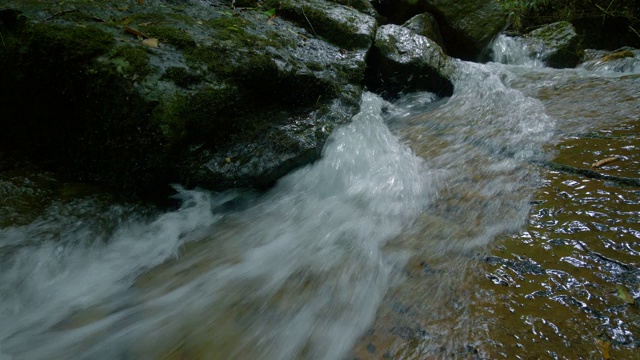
181, 77
216, 59
174, 36
131, 60
70, 43
234, 29
618, 55
168, 117
151, 18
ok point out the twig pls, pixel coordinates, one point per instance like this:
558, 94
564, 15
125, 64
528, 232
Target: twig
634, 30
135, 32
61, 13
305, 16
1, 38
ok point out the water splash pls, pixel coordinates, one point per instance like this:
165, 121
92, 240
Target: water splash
299, 273
513, 51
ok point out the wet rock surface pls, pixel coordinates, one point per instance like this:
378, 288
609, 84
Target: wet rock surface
555, 45
569, 283
625, 60
403, 61
426, 25
224, 97
467, 26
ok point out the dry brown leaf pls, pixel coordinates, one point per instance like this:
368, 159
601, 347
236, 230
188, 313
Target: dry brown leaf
140, 2
604, 347
602, 162
135, 32
153, 42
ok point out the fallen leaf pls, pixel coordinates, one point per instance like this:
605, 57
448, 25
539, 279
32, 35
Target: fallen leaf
271, 12
602, 162
605, 348
140, 2
624, 294
135, 32
153, 42
228, 159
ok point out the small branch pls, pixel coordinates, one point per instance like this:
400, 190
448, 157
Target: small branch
2, 38
305, 16
634, 31
63, 12
135, 32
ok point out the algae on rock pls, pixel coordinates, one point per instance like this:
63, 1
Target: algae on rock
92, 100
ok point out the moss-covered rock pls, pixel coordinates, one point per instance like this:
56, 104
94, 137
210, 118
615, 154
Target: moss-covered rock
557, 45
426, 25
467, 26
225, 98
625, 60
341, 25
402, 60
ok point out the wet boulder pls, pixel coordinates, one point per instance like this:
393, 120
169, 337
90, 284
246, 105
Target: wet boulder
426, 25
467, 26
364, 6
338, 24
624, 60
557, 45
402, 60
201, 93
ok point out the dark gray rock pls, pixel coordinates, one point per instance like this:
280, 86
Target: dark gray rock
342, 25
402, 60
227, 98
364, 6
467, 26
426, 25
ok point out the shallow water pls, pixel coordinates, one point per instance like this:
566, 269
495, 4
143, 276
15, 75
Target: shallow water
427, 230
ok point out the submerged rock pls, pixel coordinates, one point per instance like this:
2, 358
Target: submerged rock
215, 96
402, 60
625, 60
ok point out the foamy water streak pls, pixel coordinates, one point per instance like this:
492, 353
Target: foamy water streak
300, 273
480, 143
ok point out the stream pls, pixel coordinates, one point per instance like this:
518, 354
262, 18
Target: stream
430, 228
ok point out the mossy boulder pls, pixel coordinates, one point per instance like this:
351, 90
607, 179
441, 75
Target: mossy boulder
364, 6
338, 24
138, 96
467, 26
625, 60
557, 45
402, 61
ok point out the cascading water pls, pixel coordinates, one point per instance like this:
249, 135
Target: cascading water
322, 259
300, 271
510, 50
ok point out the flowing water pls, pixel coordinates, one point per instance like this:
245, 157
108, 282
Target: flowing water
428, 229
